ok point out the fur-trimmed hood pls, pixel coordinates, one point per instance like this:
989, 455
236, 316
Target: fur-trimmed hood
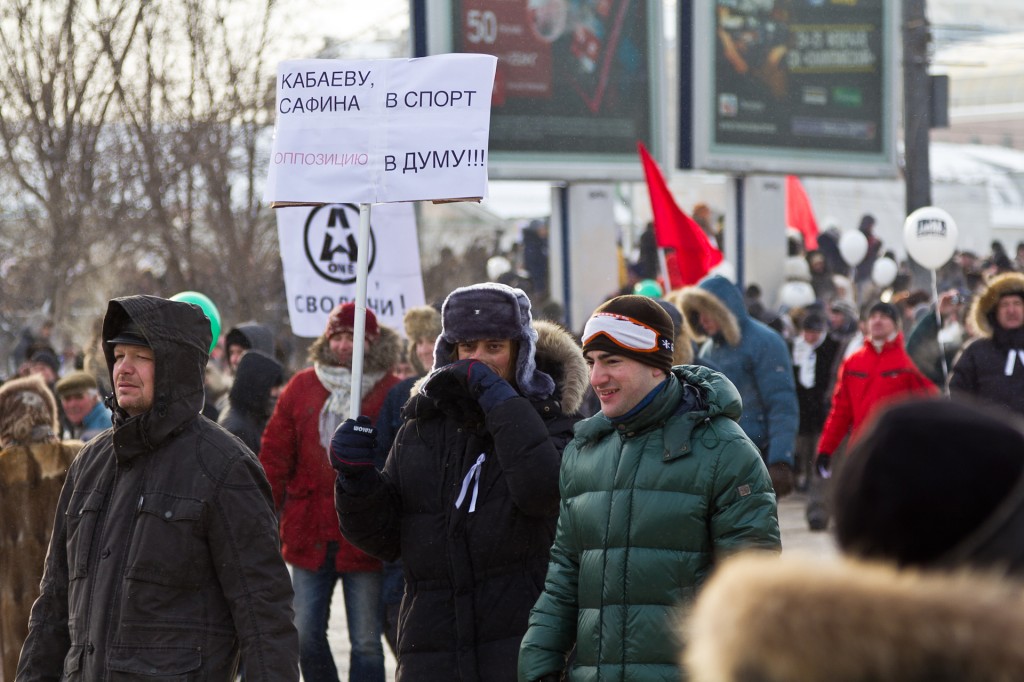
28, 411
983, 309
379, 356
559, 356
803, 619
729, 314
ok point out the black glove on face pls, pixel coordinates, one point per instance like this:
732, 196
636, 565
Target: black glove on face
823, 464
353, 445
473, 378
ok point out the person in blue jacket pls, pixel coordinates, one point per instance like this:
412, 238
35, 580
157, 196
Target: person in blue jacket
754, 357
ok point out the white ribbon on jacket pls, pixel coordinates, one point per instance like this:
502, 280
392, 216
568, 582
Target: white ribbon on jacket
1011, 358
472, 476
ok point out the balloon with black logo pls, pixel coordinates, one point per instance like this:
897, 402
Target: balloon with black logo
930, 235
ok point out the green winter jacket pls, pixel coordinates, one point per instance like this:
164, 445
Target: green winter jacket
648, 508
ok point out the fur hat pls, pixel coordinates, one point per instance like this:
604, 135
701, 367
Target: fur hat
841, 305
983, 308
343, 317
638, 310
931, 480
421, 323
28, 411
493, 311
78, 381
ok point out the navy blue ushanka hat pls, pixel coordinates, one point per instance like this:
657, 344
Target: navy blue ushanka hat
493, 311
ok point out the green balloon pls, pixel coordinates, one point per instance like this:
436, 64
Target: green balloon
204, 302
648, 287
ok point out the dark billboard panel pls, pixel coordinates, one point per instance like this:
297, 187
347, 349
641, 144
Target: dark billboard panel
577, 85
796, 86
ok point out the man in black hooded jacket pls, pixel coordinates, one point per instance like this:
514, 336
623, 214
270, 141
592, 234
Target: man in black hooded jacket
164, 558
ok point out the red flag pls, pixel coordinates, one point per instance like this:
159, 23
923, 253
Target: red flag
799, 213
695, 255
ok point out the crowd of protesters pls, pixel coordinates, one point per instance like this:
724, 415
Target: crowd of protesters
514, 500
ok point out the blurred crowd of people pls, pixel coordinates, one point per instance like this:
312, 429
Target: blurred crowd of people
519, 501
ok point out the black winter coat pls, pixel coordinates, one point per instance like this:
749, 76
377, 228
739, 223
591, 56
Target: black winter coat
164, 560
249, 404
815, 401
471, 576
991, 368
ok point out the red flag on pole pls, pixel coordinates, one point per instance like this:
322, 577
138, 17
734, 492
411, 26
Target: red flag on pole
695, 255
799, 213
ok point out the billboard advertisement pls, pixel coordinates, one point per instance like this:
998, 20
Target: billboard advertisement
790, 86
577, 82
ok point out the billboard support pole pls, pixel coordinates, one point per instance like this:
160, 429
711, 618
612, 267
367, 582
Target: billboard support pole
916, 116
739, 181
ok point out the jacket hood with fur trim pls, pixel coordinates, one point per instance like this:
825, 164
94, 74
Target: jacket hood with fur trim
696, 300
766, 619
983, 309
559, 356
379, 356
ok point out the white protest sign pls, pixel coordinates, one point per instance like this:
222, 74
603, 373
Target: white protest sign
381, 130
319, 250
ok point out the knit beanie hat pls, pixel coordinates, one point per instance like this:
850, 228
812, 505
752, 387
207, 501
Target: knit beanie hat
343, 319
887, 309
632, 326
813, 322
46, 357
28, 411
935, 483
493, 311
841, 305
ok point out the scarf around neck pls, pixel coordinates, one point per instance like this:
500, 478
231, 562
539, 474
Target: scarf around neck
338, 380
805, 359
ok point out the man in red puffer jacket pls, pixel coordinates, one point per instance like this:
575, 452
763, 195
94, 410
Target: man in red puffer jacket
877, 375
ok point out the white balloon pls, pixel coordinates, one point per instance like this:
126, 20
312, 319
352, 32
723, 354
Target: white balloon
497, 266
883, 272
930, 235
796, 295
853, 247
725, 269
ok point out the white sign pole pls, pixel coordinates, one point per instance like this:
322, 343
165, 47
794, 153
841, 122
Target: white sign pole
359, 325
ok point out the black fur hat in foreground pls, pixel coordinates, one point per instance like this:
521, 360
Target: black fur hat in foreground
935, 483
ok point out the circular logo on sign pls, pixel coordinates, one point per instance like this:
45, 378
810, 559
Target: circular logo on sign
331, 239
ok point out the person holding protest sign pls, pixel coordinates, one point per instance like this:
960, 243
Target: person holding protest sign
468, 498
294, 454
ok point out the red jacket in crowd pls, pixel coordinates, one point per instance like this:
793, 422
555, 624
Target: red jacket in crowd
867, 380
301, 477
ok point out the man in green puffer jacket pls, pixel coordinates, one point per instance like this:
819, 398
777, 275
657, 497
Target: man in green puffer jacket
655, 490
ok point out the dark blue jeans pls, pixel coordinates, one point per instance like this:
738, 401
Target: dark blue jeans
313, 592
